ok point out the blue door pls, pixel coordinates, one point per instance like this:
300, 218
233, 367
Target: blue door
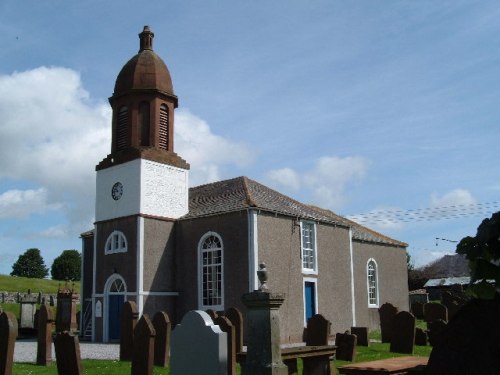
115, 308
310, 300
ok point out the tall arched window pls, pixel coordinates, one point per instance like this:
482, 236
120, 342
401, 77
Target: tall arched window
121, 128
144, 123
210, 272
116, 243
372, 280
163, 131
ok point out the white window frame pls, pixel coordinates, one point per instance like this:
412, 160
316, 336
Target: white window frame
370, 280
201, 250
315, 282
304, 249
116, 243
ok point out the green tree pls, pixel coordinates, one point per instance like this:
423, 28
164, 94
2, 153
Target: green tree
30, 264
483, 253
67, 266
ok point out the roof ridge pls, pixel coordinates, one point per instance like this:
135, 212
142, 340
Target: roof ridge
249, 199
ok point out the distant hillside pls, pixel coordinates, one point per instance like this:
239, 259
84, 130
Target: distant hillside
448, 266
22, 284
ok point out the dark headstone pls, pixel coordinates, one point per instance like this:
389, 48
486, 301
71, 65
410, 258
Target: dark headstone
128, 321
66, 311
420, 337
470, 343
44, 347
417, 309
226, 326
68, 354
346, 346
212, 313
144, 351
163, 328
435, 311
39, 298
318, 330
51, 301
403, 334
435, 330
452, 303
361, 335
387, 312
236, 318
8, 335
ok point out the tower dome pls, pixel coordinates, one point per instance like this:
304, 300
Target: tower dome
146, 71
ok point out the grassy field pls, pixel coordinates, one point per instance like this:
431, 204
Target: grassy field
22, 284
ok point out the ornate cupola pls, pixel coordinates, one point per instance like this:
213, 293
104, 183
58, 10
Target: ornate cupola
143, 104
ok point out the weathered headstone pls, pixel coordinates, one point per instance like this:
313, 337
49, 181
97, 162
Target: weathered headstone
66, 310
198, 346
452, 303
346, 346
213, 314
44, 347
236, 318
68, 354
417, 309
361, 335
387, 312
128, 321
8, 335
403, 335
318, 330
27, 312
435, 331
144, 351
226, 326
435, 311
51, 301
163, 328
420, 337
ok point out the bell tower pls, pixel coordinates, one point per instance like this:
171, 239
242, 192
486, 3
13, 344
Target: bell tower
141, 189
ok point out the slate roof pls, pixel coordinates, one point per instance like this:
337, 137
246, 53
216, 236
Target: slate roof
242, 193
448, 281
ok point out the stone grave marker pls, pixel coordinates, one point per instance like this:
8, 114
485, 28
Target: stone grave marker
226, 326
435, 331
453, 304
318, 331
198, 346
44, 344
361, 335
387, 312
28, 310
128, 321
417, 309
68, 353
236, 318
66, 310
346, 346
435, 311
144, 351
420, 337
403, 335
213, 314
163, 328
8, 335
51, 301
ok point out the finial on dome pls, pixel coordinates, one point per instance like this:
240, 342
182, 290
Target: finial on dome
146, 38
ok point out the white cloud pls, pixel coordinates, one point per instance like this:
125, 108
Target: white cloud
20, 204
285, 177
57, 231
457, 197
380, 218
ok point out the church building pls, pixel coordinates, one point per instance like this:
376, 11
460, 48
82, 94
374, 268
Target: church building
169, 247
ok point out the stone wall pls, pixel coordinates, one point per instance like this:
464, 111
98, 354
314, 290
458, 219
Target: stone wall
17, 297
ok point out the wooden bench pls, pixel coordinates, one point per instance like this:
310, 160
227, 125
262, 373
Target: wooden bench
393, 366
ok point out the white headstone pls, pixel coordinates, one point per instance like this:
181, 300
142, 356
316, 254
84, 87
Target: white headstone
198, 346
27, 315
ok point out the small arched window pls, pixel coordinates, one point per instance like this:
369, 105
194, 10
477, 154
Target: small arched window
163, 130
116, 243
211, 268
121, 128
372, 280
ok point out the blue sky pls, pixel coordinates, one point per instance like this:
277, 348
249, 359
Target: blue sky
355, 106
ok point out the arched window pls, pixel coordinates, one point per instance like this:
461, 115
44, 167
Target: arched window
372, 280
121, 128
210, 269
163, 131
116, 243
144, 123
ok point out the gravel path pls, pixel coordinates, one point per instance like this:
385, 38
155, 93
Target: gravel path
25, 351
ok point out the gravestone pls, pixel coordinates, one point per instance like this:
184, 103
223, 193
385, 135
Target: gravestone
435, 311
128, 321
417, 309
66, 310
68, 353
226, 326
420, 337
213, 314
44, 347
8, 335
27, 313
163, 328
236, 318
318, 330
51, 301
361, 335
435, 331
403, 334
452, 303
346, 346
144, 351
39, 298
387, 312
198, 346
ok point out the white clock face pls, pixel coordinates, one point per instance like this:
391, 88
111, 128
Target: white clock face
117, 191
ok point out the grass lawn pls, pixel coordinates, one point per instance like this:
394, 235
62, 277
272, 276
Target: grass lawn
22, 284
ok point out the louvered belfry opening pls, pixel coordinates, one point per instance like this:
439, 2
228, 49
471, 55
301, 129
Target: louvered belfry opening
144, 123
121, 128
163, 130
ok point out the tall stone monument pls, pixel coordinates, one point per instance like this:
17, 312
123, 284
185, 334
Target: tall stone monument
66, 310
